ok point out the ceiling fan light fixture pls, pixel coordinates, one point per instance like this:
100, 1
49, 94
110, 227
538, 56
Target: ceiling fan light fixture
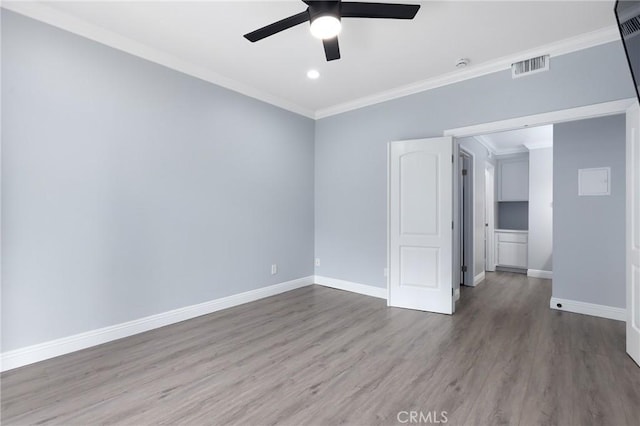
325, 17
325, 27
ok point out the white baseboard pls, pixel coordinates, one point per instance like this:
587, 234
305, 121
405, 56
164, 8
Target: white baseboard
53, 348
478, 278
538, 273
367, 290
511, 270
585, 308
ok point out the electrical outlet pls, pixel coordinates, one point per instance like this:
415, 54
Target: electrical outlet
274, 269
317, 261
386, 272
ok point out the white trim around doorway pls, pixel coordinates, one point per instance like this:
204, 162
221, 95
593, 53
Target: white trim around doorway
554, 117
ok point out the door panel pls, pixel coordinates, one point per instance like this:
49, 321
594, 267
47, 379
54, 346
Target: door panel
420, 217
419, 267
418, 189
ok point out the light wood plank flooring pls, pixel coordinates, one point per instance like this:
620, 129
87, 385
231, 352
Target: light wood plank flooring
318, 356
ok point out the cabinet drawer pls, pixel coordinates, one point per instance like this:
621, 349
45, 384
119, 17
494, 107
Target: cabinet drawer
512, 254
508, 237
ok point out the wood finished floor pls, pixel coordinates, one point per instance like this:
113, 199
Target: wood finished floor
318, 356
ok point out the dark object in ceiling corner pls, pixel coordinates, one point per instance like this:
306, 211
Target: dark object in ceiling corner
628, 16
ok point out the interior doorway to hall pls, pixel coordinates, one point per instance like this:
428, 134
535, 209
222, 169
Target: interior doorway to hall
505, 194
424, 253
586, 174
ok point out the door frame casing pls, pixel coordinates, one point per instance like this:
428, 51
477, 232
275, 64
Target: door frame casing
632, 243
489, 218
555, 117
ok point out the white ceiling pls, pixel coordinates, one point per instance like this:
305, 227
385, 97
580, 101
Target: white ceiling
519, 140
377, 55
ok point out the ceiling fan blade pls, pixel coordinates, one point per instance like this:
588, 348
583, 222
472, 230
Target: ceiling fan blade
331, 48
379, 10
276, 27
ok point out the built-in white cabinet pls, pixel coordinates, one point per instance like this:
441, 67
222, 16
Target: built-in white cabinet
513, 179
511, 248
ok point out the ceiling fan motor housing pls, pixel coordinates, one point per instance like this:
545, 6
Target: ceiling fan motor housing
324, 8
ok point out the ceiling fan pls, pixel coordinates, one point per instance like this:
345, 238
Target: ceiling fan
325, 17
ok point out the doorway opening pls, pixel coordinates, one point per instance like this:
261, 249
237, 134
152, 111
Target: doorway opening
466, 214
511, 227
579, 118
423, 266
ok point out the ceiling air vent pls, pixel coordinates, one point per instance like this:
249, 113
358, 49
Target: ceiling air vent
530, 66
630, 27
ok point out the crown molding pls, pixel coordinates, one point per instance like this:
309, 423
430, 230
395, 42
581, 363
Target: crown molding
493, 151
526, 147
561, 47
539, 145
486, 143
511, 152
41, 12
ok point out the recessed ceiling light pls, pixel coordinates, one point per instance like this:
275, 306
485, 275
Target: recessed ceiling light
313, 74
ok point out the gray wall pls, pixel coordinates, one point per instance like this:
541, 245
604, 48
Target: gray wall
350, 149
540, 204
129, 189
513, 215
480, 158
589, 232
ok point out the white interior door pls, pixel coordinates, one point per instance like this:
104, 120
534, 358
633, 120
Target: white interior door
633, 233
420, 222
